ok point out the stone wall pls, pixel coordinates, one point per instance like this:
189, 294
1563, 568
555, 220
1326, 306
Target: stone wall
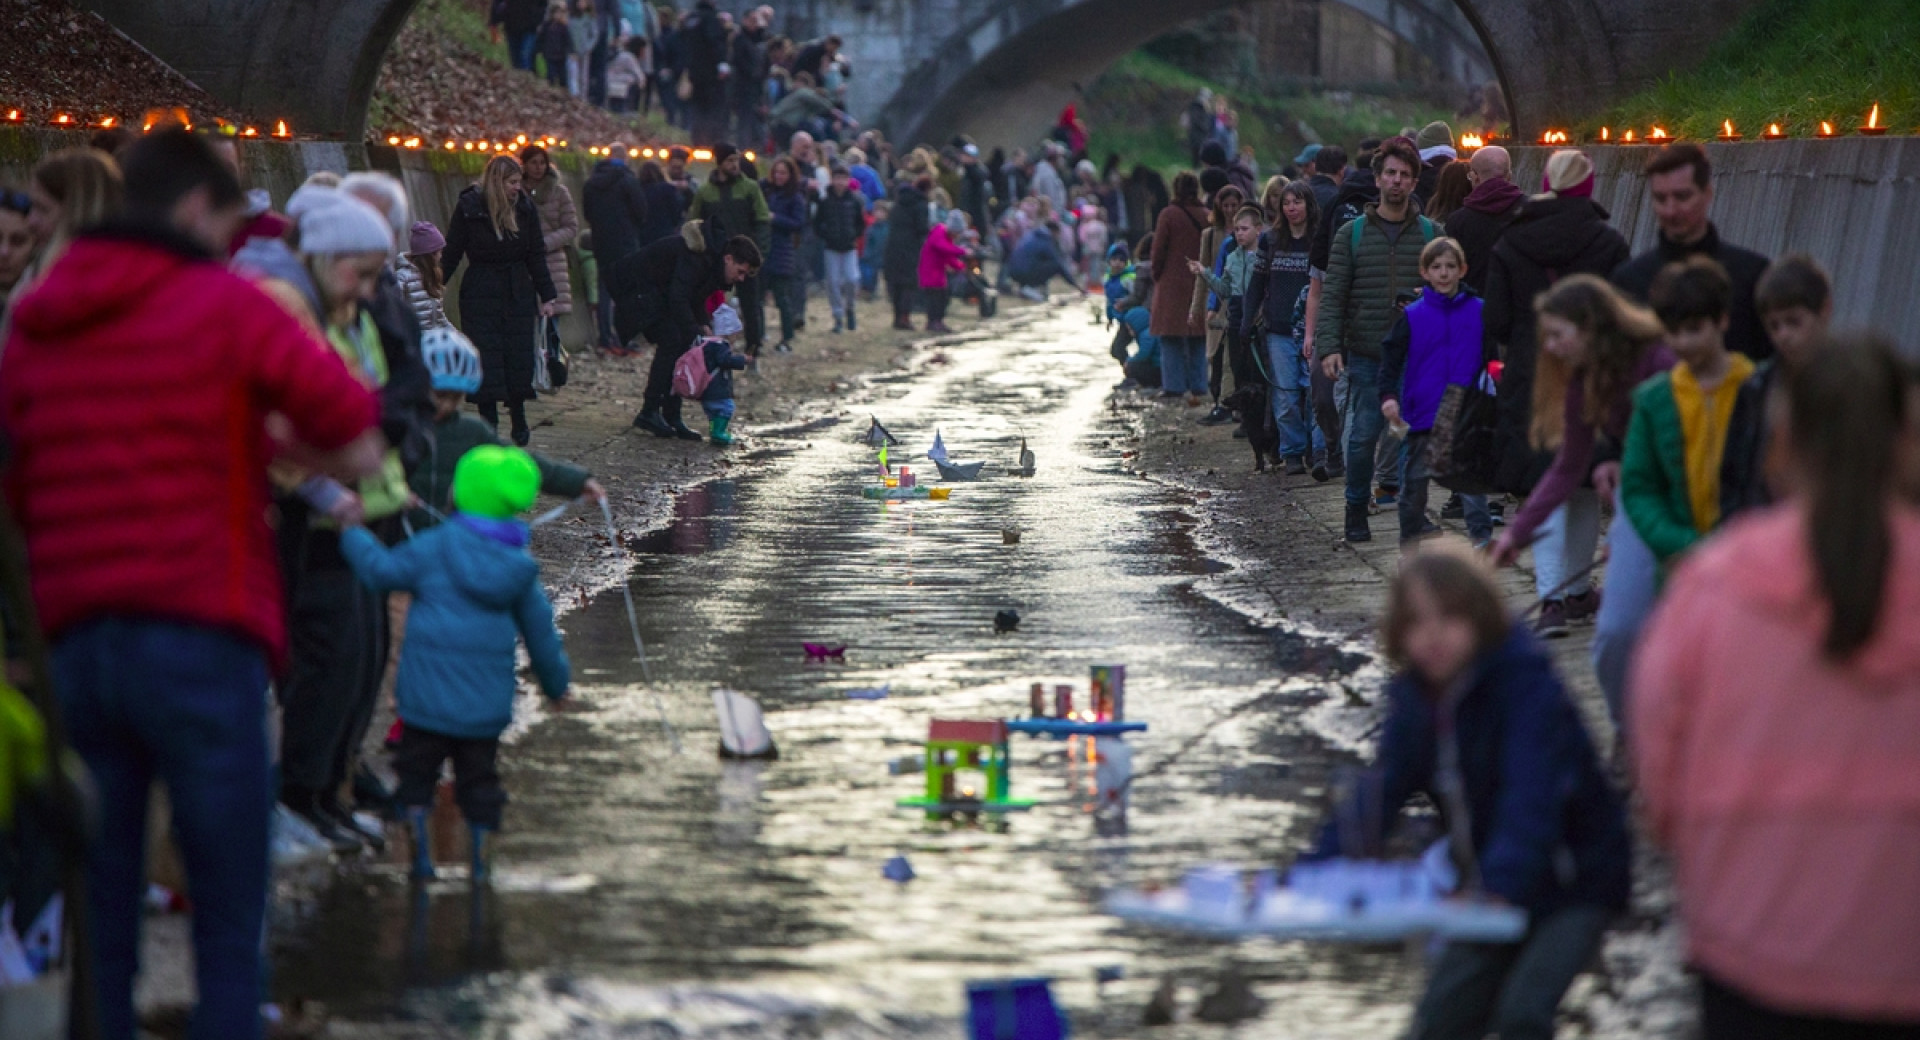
1852, 203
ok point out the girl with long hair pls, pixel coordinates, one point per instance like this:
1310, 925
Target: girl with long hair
69, 190
508, 291
1775, 722
787, 203
1215, 241
1281, 282
1595, 347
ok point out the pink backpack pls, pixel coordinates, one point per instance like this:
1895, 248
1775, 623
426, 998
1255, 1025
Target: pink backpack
690, 373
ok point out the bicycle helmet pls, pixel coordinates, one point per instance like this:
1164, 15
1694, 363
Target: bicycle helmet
451, 359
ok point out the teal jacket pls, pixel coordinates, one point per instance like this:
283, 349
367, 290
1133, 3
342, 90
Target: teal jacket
476, 593
460, 433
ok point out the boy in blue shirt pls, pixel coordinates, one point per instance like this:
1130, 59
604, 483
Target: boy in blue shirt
476, 593
1120, 277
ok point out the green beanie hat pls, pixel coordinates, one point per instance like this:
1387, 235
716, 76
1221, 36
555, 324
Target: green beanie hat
495, 482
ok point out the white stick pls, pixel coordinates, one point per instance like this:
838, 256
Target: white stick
633, 625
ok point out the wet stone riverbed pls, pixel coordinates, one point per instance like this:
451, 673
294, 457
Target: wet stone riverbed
643, 892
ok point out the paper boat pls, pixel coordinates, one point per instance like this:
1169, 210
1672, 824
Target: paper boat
953, 471
743, 731
820, 651
1025, 468
877, 435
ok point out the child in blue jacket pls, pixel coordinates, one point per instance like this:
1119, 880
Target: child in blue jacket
722, 362
1479, 722
1120, 278
1435, 343
476, 593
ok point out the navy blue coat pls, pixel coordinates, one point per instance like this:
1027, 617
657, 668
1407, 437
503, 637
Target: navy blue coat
1548, 828
789, 213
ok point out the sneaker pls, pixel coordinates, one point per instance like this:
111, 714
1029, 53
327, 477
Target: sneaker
783, 347
1297, 466
1127, 384
1357, 529
1583, 608
1385, 497
1220, 416
1454, 509
1552, 623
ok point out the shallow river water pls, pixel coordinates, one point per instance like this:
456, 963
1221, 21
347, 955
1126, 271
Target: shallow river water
644, 892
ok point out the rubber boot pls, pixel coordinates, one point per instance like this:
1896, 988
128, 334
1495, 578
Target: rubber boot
717, 429
651, 421
480, 861
422, 869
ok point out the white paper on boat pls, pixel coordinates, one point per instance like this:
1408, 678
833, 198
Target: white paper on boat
1341, 900
743, 732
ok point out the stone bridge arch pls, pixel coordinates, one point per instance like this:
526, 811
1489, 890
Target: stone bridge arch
997, 68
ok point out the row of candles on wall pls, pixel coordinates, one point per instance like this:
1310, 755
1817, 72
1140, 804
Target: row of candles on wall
519, 141
154, 117
1873, 127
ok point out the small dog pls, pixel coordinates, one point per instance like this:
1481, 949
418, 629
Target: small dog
1253, 405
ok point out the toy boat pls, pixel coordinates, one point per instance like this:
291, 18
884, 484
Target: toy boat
1060, 729
902, 494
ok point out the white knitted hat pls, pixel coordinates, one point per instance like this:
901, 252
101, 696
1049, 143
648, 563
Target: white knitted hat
339, 223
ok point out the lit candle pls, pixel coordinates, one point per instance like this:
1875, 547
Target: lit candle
1826, 129
62, 119
280, 129
1658, 134
1727, 132
1606, 135
1627, 138
252, 131
1873, 127
1774, 133
393, 139
413, 142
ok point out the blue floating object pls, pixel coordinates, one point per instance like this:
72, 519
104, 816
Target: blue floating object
898, 869
1058, 728
1109, 973
1013, 1009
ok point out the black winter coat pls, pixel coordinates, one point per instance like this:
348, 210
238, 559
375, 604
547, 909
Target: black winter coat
749, 79
1745, 333
500, 297
661, 291
908, 233
840, 219
1477, 231
406, 401
616, 210
703, 47
1553, 238
1350, 203
666, 210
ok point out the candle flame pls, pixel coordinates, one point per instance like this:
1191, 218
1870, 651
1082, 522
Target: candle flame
633, 153
108, 123
1627, 137
1727, 127
1826, 128
1774, 131
1554, 137
1606, 133
1658, 134
702, 155
522, 139
393, 139
413, 142
1873, 117
280, 129
63, 119
1472, 141
452, 147
252, 131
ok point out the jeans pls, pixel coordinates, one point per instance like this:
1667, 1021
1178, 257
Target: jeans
1299, 434
1364, 424
721, 409
1510, 989
1565, 544
185, 704
790, 295
1414, 481
1183, 364
843, 278
1633, 578
521, 48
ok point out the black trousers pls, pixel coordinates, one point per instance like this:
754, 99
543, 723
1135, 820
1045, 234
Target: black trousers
476, 773
659, 394
753, 312
339, 636
902, 294
937, 300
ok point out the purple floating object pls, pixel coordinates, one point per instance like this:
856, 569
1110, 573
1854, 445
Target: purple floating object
820, 651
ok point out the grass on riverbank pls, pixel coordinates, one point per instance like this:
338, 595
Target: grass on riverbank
1794, 62
1134, 111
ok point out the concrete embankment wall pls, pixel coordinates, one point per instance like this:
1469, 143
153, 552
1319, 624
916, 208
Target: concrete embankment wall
1852, 203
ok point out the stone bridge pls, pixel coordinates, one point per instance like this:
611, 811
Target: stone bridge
1000, 69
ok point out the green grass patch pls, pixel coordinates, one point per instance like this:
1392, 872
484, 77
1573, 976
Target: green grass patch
1796, 63
1134, 110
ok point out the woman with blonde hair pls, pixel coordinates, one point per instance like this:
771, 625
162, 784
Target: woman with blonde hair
71, 189
1595, 347
508, 291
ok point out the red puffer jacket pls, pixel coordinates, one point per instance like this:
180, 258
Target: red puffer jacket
135, 390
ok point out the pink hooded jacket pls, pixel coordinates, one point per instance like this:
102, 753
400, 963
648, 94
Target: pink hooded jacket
1787, 787
938, 256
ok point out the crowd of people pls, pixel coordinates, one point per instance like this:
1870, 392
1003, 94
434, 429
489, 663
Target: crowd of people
1765, 713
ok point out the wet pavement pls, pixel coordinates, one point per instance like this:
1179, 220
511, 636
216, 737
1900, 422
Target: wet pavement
644, 892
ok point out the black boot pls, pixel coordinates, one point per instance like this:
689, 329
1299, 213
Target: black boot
521, 432
652, 421
671, 413
489, 414
850, 324
1357, 528
306, 805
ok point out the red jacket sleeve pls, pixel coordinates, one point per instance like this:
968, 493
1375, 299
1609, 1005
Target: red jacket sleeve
299, 376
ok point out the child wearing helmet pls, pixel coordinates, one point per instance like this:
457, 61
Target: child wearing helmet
455, 367
476, 594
